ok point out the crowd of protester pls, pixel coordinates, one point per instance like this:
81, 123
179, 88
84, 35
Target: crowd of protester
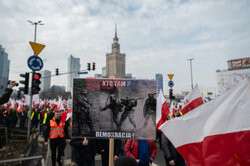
84, 150
46, 120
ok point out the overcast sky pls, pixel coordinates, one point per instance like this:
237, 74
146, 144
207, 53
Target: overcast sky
157, 36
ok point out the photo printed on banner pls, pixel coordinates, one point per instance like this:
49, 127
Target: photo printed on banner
114, 108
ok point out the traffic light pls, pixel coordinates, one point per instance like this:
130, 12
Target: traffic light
88, 67
25, 89
57, 71
171, 93
93, 67
35, 83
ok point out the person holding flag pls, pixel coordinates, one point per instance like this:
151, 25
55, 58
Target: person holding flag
57, 132
171, 155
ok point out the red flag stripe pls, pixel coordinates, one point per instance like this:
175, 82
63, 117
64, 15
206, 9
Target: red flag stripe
64, 115
192, 105
232, 149
164, 113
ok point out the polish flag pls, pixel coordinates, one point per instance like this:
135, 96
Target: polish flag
53, 103
162, 110
36, 99
216, 133
66, 115
20, 107
192, 100
41, 103
172, 109
12, 103
26, 100
60, 105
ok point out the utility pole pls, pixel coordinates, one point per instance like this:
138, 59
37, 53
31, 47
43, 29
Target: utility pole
190, 60
31, 97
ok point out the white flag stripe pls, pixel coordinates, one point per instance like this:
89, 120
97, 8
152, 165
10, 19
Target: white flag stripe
160, 101
227, 113
194, 94
68, 115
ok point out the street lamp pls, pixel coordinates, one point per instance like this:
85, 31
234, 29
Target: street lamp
191, 71
35, 23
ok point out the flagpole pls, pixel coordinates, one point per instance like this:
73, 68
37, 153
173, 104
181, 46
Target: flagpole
191, 71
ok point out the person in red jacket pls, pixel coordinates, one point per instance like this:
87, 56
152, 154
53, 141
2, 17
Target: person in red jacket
143, 151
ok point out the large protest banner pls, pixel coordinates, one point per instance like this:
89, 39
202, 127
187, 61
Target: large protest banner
114, 108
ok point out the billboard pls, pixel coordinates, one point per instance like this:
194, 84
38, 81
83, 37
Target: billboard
239, 63
114, 108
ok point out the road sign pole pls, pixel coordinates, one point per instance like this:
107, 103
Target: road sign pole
30, 111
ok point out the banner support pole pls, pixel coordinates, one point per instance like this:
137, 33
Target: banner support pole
111, 152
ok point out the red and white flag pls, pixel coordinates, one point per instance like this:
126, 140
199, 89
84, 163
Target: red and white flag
60, 105
20, 107
26, 100
216, 133
66, 115
192, 100
36, 99
162, 110
172, 109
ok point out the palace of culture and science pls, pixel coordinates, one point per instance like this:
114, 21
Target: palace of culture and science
115, 61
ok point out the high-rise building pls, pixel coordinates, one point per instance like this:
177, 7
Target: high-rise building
115, 61
74, 67
98, 76
128, 75
45, 80
104, 75
4, 69
159, 79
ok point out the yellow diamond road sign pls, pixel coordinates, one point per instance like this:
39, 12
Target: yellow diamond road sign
37, 48
170, 76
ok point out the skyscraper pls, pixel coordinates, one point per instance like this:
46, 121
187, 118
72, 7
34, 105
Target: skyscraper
104, 75
45, 80
4, 69
115, 61
159, 79
73, 69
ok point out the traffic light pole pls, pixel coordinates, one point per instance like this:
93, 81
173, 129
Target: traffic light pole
31, 97
170, 96
30, 110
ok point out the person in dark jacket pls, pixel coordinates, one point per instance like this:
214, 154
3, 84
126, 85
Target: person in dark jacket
85, 151
13, 116
1, 115
35, 118
6, 95
22, 116
171, 155
104, 149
